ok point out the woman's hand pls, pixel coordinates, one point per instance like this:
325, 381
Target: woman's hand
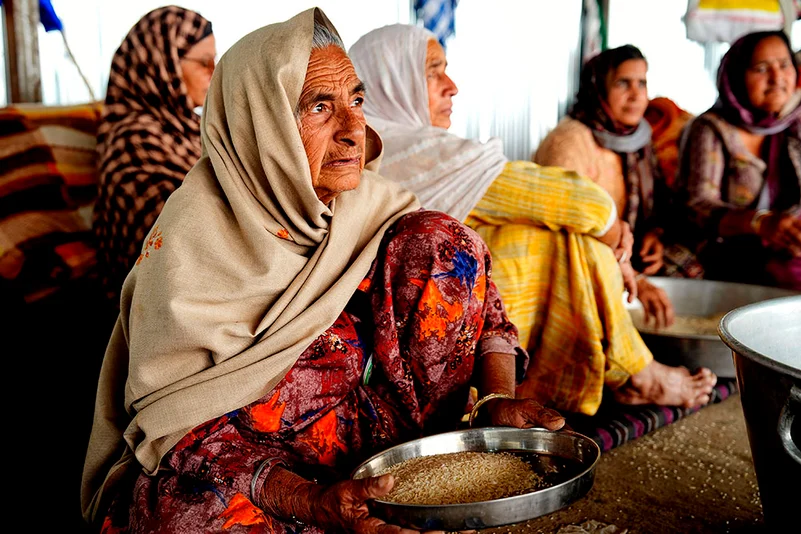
624, 251
342, 507
652, 253
523, 413
623, 256
612, 236
782, 231
655, 303
629, 279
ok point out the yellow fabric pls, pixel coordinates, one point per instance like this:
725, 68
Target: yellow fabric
559, 199
562, 289
768, 6
571, 145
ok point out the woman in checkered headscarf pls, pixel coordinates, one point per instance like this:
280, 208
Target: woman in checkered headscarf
149, 136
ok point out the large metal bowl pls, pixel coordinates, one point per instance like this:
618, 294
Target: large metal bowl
580, 450
765, 341
701, 298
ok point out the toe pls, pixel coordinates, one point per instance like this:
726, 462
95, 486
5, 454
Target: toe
705, 377
703, 387
699, 400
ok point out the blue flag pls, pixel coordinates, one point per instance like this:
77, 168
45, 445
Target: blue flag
437, 16
47, 16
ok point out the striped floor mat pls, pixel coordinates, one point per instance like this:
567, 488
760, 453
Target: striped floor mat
616, 424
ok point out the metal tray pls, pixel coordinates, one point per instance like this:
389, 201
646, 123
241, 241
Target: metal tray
581, 452
700, 298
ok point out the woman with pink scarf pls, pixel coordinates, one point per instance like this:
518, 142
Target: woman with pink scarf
741, 167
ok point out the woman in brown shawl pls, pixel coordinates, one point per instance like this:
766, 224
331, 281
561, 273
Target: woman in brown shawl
293, 313
149, 136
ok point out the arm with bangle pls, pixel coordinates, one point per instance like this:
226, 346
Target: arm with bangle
500, 363
708, 175
497, 390
777, 229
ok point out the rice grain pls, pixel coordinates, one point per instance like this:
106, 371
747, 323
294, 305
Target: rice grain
461, 477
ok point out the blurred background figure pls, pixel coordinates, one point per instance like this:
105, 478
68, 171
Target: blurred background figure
741, 166
149, 136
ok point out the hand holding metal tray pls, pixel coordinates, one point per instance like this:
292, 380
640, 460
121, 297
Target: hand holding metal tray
575, 454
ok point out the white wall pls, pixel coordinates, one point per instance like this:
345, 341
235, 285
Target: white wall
515, 64
231, 19
514, 60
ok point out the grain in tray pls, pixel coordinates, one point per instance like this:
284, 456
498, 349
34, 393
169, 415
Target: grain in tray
461, 477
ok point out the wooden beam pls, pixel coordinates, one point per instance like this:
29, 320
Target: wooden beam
23, 74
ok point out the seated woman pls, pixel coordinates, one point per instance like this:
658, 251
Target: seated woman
149, 136
561, 285
606, 139
293, 314
741, 167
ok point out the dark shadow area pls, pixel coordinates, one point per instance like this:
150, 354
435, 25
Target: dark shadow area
56, 349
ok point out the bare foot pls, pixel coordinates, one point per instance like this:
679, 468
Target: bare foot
668, 386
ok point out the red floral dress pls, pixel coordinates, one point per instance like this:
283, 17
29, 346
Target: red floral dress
396, 364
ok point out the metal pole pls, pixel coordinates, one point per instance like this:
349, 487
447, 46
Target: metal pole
24, 76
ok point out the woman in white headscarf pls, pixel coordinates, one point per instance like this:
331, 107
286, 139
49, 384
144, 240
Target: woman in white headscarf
560, 283
291, 313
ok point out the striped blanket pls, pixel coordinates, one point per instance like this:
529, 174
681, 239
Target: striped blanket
616, 424
562, 289
48, 184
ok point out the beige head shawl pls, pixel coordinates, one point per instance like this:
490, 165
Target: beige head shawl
242, 270
446, 172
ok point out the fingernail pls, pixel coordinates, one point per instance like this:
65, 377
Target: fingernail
557, 421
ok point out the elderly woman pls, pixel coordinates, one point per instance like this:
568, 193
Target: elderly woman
607, 139
293, 314
149, 136
741, 166
561, 285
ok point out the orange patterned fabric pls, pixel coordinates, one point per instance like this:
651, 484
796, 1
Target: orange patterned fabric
667, 121
241, 511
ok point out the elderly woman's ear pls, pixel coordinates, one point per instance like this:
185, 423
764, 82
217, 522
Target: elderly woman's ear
331, 122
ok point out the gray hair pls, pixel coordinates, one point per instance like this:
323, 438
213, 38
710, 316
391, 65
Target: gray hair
324, 37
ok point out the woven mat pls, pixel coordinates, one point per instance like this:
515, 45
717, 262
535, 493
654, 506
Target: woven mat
616, 424
691, 477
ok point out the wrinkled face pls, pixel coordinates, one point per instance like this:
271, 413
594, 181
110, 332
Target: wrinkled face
771, 78
197, 66
331, 122
627, 92
441, 89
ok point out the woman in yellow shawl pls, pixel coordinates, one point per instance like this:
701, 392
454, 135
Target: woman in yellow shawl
561, 285
291, 314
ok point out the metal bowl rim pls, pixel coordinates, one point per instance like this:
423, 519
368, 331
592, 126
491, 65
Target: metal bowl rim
549, 489
741, 349
696, 337
694, 281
